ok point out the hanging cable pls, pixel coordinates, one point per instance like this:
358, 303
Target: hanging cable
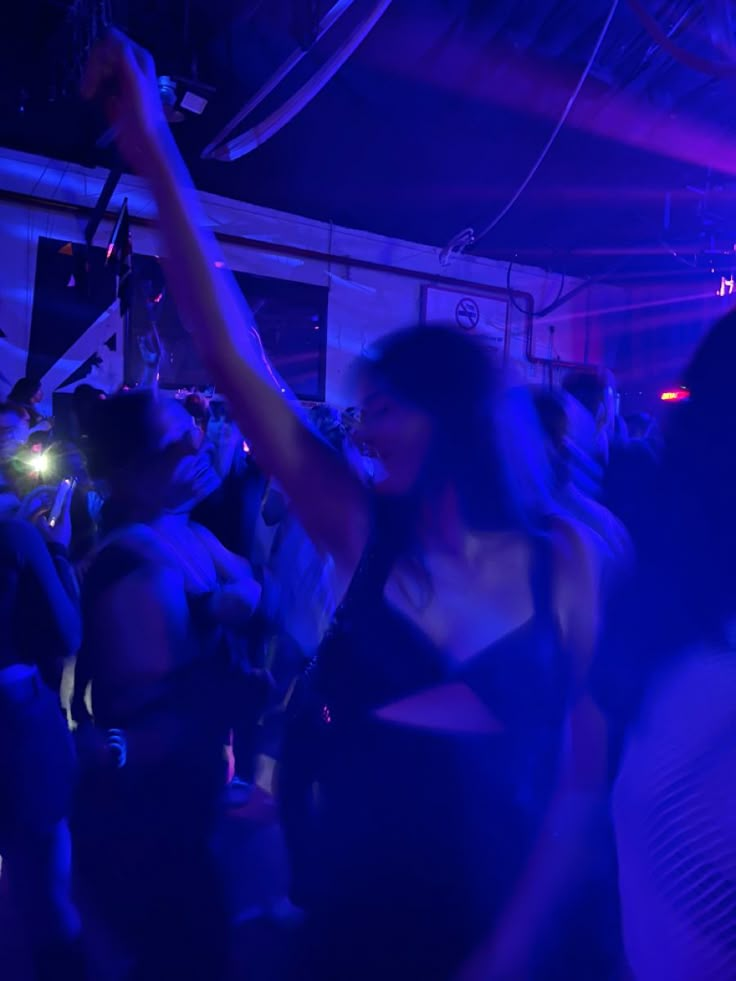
465, 243
534, 313
562, 298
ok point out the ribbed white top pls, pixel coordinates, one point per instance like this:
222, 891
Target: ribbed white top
675, 820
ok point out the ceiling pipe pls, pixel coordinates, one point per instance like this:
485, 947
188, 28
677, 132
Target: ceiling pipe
328, 21
262, 132
691, 60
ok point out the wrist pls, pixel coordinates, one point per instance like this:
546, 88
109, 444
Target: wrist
159, 158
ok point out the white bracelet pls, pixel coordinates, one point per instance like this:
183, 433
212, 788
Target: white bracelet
117, 742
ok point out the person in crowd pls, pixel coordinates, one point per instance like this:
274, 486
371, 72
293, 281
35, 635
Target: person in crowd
85, 400
592, 425
302, 574
150, 352
14, 433
14, 430
28, 393
198, 408
9, 500
228, 506
155, 602
299, 598
231, 510
39, 628
449, 818
644, 427
626, 467
64, 460
609, 536
671, 684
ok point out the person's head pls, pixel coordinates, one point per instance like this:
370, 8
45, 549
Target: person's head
432, 409
595, 390
14, 430
85, 402
137, 441
198, 408
26, 391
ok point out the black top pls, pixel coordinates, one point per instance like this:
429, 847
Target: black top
422, 834
39, 611
373, 655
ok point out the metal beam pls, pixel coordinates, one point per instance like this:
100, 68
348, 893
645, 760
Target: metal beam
103, 201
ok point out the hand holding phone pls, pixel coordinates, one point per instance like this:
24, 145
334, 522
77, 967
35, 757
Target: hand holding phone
63, 494
57, 528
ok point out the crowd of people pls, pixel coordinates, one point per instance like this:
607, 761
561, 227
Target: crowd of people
484, 633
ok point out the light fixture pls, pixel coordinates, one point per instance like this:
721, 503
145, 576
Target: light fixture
677, 395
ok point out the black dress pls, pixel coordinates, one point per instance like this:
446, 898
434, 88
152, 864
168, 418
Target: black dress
406, 853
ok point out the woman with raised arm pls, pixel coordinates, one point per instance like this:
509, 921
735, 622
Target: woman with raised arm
433, 722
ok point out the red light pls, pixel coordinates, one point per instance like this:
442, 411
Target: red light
681, 395
110, 250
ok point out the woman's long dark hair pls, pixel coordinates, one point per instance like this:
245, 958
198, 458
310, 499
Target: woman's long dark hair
486, 442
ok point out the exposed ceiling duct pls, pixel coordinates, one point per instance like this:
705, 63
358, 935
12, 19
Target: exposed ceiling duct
430, 125
240, 146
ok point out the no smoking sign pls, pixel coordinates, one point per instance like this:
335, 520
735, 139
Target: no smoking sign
467, 313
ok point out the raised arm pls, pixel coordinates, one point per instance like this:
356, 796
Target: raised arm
149, 348
328, 498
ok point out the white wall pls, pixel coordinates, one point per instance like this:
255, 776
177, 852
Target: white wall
364, 302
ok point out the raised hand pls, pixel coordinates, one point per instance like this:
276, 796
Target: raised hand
149, 352
122, 77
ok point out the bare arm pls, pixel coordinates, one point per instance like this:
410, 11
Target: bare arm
149, 347
327, 497
324, 492
234, 604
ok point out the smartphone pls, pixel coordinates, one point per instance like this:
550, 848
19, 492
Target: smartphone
65, 490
